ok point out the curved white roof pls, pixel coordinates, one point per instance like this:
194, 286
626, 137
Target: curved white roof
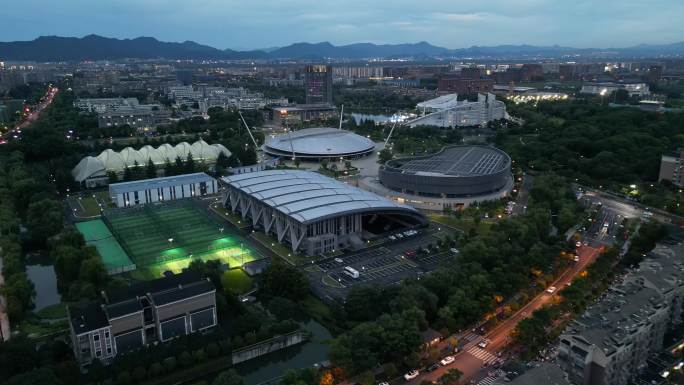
308, 196
443, 102
110, 160
319, 142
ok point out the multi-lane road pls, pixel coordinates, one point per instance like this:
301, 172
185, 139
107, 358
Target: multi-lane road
473, 360
45, 101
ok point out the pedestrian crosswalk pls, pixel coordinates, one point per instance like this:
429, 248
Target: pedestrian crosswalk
487, 381
482, 354
470, 336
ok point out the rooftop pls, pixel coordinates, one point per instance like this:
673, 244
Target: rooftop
163, 182
308, 196
457, 161
324, 141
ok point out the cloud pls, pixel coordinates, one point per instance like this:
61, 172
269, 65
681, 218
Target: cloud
263, 23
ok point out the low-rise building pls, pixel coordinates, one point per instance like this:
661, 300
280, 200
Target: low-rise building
140, 315
612, 341
605, 89
300, 113
163, 189
144, 118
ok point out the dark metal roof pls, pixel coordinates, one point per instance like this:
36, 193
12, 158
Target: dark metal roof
458, 161
182, 292
87, 317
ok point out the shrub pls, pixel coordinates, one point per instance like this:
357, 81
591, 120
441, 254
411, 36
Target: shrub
124, 378
139, 374
170, 364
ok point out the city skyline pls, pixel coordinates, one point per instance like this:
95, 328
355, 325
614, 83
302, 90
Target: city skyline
454, 24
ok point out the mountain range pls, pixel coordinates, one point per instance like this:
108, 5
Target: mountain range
94, 47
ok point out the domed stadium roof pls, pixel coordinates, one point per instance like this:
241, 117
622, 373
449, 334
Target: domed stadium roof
321, 142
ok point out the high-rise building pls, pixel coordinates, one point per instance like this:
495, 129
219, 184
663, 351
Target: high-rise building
318, 84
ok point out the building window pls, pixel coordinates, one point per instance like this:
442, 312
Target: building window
96, 337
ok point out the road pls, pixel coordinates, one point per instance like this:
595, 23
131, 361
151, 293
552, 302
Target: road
523, 195
45, 101
474, 361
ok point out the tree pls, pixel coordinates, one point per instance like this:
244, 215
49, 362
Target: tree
189, 164
228, 377
19, 292
44, 219
385, 156
285, 281
297, 162
113, 178
128, 174
169, 169
151, 169
451, 377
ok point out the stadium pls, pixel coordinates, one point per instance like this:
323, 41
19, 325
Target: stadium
312, 213
319, 143
454, 177
163, 237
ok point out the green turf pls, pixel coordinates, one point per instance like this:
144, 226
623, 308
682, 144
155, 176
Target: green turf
90, 206
169, 236
93, 230
236, 281
113, 255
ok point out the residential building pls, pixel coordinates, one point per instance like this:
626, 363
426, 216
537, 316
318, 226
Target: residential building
163, 189
672, 168
613, 340
145, 313
318, 84
144, 118
101, 105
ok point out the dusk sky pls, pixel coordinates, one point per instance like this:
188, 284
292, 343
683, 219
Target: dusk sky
268, 23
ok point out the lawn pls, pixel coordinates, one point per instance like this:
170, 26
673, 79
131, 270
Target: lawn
236, 281
224, 213
464, 225
280, 250
90, 205
56, 311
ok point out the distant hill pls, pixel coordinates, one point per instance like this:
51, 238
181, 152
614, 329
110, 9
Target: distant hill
94, 47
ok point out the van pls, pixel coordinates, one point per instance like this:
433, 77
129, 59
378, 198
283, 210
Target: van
350, 271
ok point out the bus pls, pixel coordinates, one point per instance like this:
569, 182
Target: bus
352, 272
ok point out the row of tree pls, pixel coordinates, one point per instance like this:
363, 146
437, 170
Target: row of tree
384, 324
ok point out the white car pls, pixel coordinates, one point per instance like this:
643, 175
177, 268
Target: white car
454, 250
578, 244
483, 344
338, 260
575, 258
551, 289
411, 375
399, 235
447, 360
392, 238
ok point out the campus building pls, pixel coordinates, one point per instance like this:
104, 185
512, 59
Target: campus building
163, 189
453, 178
613, 340
448, 111
606, 89
93, 171
312, 213
300, 113
672, 168
140, 315
319, 143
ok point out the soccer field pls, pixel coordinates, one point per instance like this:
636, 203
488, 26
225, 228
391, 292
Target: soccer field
169, 236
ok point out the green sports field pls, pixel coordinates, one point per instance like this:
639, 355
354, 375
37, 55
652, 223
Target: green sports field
169, 236
113, 256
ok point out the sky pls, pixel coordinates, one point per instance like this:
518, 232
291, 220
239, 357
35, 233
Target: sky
252, 24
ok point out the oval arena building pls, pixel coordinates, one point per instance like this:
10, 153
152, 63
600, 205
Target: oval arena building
455, 177
319, 143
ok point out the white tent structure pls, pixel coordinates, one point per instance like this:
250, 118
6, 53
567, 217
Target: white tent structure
93, 170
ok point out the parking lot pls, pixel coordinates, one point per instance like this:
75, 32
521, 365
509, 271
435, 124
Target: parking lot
387, 263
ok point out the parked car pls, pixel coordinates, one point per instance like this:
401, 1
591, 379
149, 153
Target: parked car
447, 360
399, 235
454, 250
551, 289
339, 260
392, 238
411, 375
432, 367
576, 258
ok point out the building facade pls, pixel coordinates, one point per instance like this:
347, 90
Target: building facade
455, 113
311, 213
613, 340
464, 85
318, 84
672, 168
140, 315
163, 189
